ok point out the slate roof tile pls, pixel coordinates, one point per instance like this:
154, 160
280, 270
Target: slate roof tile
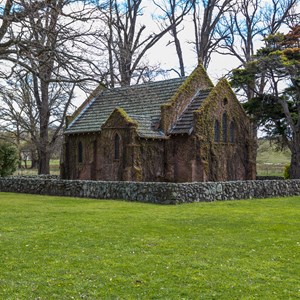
142, 103
184, 123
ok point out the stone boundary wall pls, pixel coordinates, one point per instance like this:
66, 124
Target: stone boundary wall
159, 192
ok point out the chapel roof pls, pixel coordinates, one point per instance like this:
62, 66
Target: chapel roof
142, 103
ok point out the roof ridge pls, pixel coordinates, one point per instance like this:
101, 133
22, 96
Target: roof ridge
142, 102
126, 87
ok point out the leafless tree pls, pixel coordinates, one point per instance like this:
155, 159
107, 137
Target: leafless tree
127, 40
49, 41
251, 20
20, 117
207, 20
278, 13
248, 23
171, 9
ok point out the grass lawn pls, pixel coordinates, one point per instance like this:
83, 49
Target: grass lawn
67, 248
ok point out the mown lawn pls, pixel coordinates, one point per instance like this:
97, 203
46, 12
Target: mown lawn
66, 248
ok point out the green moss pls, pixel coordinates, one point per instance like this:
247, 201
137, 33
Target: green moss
137, 173
198, 75
123, 113
208, 112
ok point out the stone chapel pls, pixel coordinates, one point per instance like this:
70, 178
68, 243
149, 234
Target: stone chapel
176, 130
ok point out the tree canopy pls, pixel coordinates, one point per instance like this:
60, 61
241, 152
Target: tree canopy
274, 75
8, 159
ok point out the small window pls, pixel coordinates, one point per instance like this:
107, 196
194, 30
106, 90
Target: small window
225, 101
224, 127
80, 152
232, 132
117, 146
217, 131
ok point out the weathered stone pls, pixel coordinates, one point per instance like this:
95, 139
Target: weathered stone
179, 130
163, 193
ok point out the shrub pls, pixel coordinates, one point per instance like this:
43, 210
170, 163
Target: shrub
286, 174
8, 159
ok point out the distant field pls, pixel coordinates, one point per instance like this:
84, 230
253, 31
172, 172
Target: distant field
67, 248
54, 169
269, 161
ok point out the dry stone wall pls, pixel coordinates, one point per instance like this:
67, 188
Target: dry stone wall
152, 192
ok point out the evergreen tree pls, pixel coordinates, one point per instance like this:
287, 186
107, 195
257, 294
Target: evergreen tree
276, 104
8, 159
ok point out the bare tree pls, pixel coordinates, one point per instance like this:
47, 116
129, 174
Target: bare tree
207, 20
20, 117
126, 39
171, 9
50, 41
248, 23
278, 13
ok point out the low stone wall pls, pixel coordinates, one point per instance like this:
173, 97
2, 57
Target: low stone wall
163, 193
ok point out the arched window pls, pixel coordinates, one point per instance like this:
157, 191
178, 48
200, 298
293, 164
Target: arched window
117, 146
80, 152
232, 132
217, 131
224, 127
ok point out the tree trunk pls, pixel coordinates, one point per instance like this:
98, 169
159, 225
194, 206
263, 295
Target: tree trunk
109, 46
43, 152
44, 162
203, 55
43, 149
34, 160
179, 53
295, 158
172, 19
125, 72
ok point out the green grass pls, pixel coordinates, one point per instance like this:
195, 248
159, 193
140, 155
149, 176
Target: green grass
67, 248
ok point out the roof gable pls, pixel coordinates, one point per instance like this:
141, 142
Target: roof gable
142, 101
220, 100
156, 108
119, 119
221, 91
172, 111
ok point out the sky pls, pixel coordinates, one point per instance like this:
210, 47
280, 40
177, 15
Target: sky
167, 57
164, 53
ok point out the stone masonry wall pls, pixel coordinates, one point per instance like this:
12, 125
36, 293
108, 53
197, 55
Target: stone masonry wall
158, 192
